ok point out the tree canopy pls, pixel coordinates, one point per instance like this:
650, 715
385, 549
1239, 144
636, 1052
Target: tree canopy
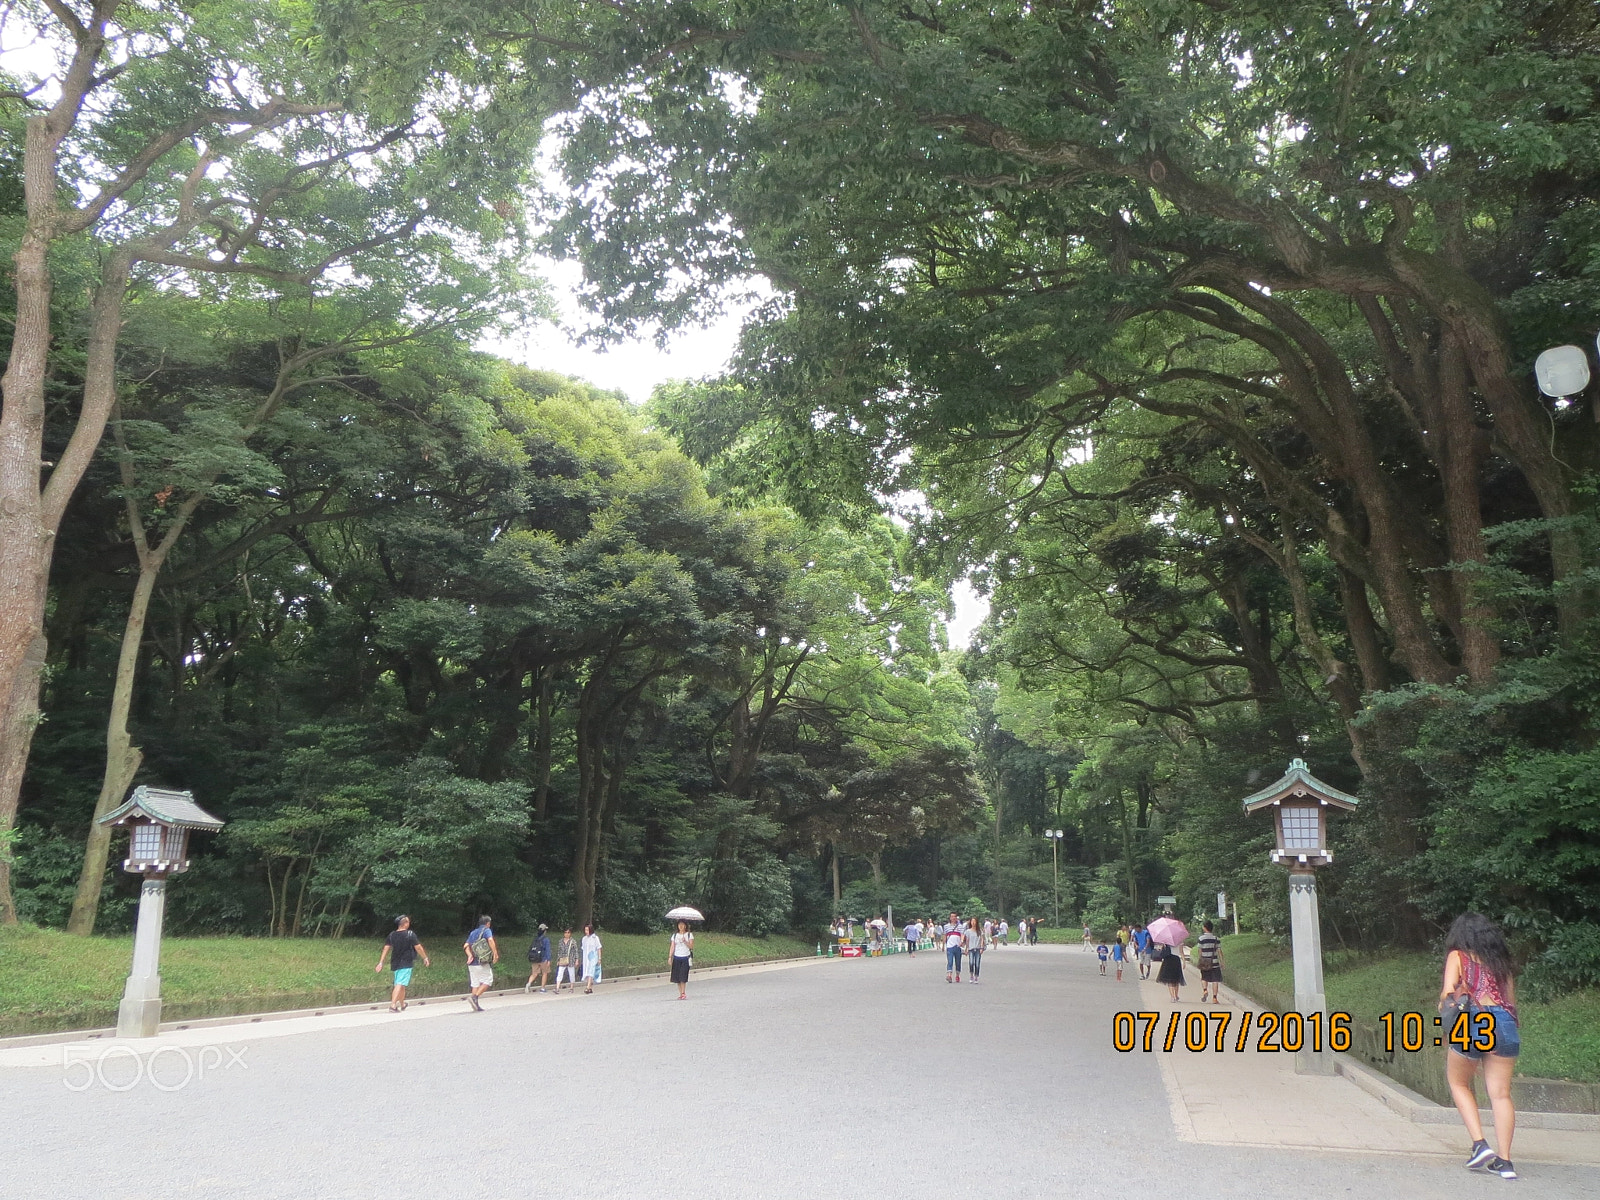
1198, 335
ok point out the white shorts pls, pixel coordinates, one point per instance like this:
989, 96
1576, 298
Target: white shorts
480, 975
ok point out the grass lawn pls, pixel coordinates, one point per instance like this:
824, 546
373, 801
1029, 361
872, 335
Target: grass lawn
1067, 936
1560, 1039
50, 981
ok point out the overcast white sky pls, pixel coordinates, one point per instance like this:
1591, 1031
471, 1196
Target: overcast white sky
634, 367
637, 367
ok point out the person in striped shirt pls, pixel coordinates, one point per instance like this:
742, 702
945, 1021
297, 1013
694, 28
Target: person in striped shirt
1208, 953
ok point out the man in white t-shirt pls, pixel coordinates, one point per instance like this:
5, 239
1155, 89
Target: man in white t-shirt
1005, 932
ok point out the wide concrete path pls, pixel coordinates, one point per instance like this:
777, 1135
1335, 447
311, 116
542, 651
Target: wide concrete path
859, 1079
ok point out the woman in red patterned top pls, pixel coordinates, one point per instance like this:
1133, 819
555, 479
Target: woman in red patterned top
1478, 976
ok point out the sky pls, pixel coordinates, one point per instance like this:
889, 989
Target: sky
633, 367
636, 367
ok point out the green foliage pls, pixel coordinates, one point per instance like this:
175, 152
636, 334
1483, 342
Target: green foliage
378, 584
1243, 449
46, 873
869, 898
1570, 960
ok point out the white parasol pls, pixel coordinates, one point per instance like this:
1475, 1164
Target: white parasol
684, 913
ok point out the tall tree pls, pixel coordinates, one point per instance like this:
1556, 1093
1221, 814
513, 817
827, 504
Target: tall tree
194, 141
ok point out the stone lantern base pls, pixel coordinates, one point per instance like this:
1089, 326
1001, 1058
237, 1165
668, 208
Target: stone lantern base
1306, 932
139, 1014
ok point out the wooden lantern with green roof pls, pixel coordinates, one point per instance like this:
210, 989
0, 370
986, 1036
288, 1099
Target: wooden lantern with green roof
1301, 802
159, 822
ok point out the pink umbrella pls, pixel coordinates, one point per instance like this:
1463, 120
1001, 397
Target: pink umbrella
1168, 931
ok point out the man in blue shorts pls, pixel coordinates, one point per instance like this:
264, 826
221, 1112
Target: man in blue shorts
401, 949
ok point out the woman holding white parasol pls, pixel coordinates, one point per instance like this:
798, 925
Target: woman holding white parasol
680, 955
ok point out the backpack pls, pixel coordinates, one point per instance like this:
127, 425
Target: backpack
482, 952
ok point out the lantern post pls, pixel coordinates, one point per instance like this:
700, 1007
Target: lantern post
159, 822
1300, 803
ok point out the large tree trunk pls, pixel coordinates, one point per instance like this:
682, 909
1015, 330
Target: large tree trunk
122, 761
31, 514
600, 800
25, 541
590, 777
1362, 629
541, 741
122, 756
1463, 516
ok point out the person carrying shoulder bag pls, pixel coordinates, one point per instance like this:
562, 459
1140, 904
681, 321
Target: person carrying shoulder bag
1478, 1006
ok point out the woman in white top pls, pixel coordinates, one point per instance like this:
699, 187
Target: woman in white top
974, 940
679, 958
591, 959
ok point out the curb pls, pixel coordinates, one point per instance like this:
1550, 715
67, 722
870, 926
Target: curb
289, 1014
1421, 1111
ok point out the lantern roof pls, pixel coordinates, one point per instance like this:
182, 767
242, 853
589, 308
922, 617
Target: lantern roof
1299, 784
165, 807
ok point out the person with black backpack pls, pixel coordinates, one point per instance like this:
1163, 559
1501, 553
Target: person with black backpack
482, 954
539, 960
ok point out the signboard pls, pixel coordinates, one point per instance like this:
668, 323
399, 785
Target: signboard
1167, 901
849, 951
1222, 905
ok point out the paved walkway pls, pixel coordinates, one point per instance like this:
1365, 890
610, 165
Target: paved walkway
870, 1079
1256, 1099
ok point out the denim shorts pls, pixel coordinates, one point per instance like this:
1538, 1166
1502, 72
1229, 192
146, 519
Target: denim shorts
1507, 1036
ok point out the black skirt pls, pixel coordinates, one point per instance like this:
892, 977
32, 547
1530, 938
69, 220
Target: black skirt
680, 968
1171, 969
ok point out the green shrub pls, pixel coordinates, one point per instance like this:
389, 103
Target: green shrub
1571, 960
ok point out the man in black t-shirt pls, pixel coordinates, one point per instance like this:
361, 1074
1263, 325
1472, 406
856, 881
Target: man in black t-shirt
401, 949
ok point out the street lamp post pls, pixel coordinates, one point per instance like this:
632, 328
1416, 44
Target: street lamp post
1301, 802
158, 823
1055, 836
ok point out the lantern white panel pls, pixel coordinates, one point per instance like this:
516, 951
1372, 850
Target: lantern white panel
1302, 830
146, 843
